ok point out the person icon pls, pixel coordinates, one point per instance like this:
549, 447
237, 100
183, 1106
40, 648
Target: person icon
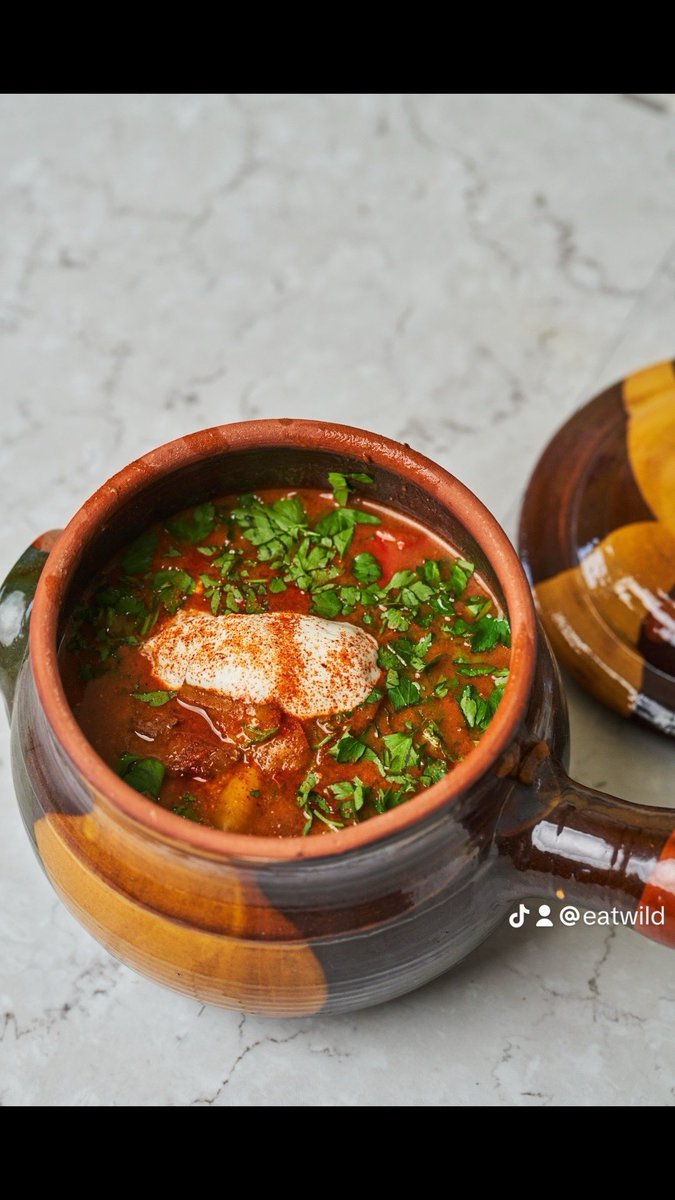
544, 921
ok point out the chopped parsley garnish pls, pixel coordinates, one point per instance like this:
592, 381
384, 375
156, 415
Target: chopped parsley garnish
477, 711
272, 528
349, 749
326, 604
352, 795
399, 753
488, 632
256, 735
460, 575
137, 558
366, 568
188, 807
146, 775
154, 699
474, 669
402, 691
339, 526
314, 806
195, 526
172, 587
342, 484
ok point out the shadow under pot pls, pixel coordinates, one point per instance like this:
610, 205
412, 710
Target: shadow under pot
322, 924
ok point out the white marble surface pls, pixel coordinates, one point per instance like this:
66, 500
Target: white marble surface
440, 269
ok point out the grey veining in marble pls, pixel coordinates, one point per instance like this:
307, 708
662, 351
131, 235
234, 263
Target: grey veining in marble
456, 271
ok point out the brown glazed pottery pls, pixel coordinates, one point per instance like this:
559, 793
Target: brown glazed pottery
597, 536
349, 919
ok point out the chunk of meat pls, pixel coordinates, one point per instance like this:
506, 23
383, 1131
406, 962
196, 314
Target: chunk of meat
288, 750
152, 722
236, 720
362, 717
189, 754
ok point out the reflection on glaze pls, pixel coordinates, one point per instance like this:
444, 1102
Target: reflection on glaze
598, 536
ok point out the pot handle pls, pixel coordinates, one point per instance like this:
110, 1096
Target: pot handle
570, 842
16, 600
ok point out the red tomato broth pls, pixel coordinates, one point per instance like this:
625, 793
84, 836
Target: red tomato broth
212, 749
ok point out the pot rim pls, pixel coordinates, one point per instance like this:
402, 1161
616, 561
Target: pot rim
255, 435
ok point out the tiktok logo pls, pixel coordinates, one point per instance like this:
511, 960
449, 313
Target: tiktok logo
517, 918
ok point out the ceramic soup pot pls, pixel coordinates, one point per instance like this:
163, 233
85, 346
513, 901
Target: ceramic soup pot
349, 919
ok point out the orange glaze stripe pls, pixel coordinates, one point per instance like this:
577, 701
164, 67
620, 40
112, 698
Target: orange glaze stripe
659, 894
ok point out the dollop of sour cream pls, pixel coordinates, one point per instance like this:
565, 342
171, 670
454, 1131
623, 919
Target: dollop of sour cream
311, 667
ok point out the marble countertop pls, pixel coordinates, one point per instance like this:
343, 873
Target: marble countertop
456, 271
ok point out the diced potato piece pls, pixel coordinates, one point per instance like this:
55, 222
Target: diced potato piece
236, 804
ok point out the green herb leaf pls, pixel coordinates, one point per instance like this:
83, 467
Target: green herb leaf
305, 796
341, 484
400, 579
460, 575
348, 749
395, 619
432, 734
309, 782
434, 770
339, 525
440, 603
171, 587
343, 520
405, 651
400, 752
146, 775
472, 670
340, 487
388, 658
478, 712
273, 528
187, 807
334, 825
493, 702
470, 703
403, 692
352, 794
276, 585
154, 699
326, 604
489, 632
194, 526
477, 605
311, 566
225, 562
137, 558
421, 591
458, 628
257, 735
430, 572
349, 598
366, 568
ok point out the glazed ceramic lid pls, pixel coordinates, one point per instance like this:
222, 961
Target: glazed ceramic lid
597, 538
